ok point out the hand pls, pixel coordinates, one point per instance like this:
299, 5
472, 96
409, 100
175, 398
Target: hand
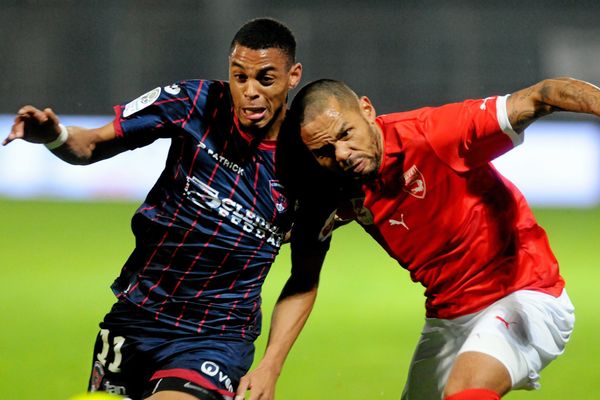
261, 383
35, 126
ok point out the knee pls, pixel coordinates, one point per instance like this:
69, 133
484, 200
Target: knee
477, 371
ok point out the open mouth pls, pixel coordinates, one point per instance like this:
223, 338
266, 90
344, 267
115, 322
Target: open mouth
254, 113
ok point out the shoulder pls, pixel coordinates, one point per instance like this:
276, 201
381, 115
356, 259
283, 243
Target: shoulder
403, 127
200, 94
403, 116
192, 87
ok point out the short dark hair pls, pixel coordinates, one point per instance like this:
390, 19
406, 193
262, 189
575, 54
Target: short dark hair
315, 96
266, 33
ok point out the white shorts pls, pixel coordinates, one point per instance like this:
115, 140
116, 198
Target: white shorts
524, 331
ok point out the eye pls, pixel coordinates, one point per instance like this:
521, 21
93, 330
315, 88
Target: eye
344, 134
240, 77
267, 80
327, 151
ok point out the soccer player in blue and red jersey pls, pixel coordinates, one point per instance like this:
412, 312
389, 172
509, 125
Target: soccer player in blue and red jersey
421, 183
188, 308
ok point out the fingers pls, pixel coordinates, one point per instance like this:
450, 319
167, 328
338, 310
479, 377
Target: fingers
17, 129
34, 125
244, 386
52, 117
41, 117
8, 139
258, 391
30, 113
16, 132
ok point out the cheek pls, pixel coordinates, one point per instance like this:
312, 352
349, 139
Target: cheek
277, 94
374, 143
277, 99
235, 95
327, 163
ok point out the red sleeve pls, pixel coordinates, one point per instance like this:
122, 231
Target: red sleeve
472, 133
117, 121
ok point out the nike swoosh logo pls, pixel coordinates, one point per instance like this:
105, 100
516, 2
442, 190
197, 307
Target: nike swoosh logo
190, 385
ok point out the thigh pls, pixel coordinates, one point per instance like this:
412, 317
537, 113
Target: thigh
524, 331
432, 360
477, 370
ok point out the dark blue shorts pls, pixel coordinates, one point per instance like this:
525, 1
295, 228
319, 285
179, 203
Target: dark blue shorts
133, 353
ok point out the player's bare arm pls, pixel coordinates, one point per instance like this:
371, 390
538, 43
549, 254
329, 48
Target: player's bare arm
288, 319
81, 146
289, 316
550, 95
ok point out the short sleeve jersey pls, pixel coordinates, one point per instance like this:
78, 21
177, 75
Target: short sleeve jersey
442, 210
210, 228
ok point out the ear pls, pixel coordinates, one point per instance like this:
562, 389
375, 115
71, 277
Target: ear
295, 75
367, 109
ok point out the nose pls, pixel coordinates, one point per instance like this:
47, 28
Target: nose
250, 89
342, 153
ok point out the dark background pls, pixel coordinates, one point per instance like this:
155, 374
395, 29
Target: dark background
82, 57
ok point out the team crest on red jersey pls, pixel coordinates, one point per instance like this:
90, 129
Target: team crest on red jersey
414, 182
281, 202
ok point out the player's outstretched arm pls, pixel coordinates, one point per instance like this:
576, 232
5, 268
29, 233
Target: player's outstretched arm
289, 316
550, 95
287, 321
72, 144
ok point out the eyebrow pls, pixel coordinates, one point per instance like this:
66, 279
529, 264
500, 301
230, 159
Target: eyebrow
328, 148
262, 70
342, 129
324, 150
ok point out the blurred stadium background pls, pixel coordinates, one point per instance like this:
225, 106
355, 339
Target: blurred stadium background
64, 230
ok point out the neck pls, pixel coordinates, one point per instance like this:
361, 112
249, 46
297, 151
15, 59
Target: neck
271, 131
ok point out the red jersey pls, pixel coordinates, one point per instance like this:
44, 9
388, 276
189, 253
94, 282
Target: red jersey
448, 216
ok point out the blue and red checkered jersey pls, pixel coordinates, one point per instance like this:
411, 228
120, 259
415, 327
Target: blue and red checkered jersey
210, 228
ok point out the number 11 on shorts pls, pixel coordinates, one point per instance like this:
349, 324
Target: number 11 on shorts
117, 344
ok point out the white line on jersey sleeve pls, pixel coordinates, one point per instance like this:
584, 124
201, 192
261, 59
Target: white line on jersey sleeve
503, 121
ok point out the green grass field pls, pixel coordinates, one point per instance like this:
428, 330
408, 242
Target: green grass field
58, 260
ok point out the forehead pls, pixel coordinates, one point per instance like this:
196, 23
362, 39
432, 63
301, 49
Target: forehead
260, 59
322, 127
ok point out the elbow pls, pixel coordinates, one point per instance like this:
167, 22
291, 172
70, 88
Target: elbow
77, 158
542, 95
82, 161
547, 89
559, 80
297, 285
71, 158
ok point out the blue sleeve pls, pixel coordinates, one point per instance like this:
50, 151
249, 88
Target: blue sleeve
157, 113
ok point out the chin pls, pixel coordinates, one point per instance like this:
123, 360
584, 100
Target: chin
251, 125
369, 174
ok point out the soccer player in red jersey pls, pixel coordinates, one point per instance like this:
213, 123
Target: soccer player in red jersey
421, 183
188, 298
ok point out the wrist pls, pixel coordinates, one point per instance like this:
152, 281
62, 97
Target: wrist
60, 140
272, 363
